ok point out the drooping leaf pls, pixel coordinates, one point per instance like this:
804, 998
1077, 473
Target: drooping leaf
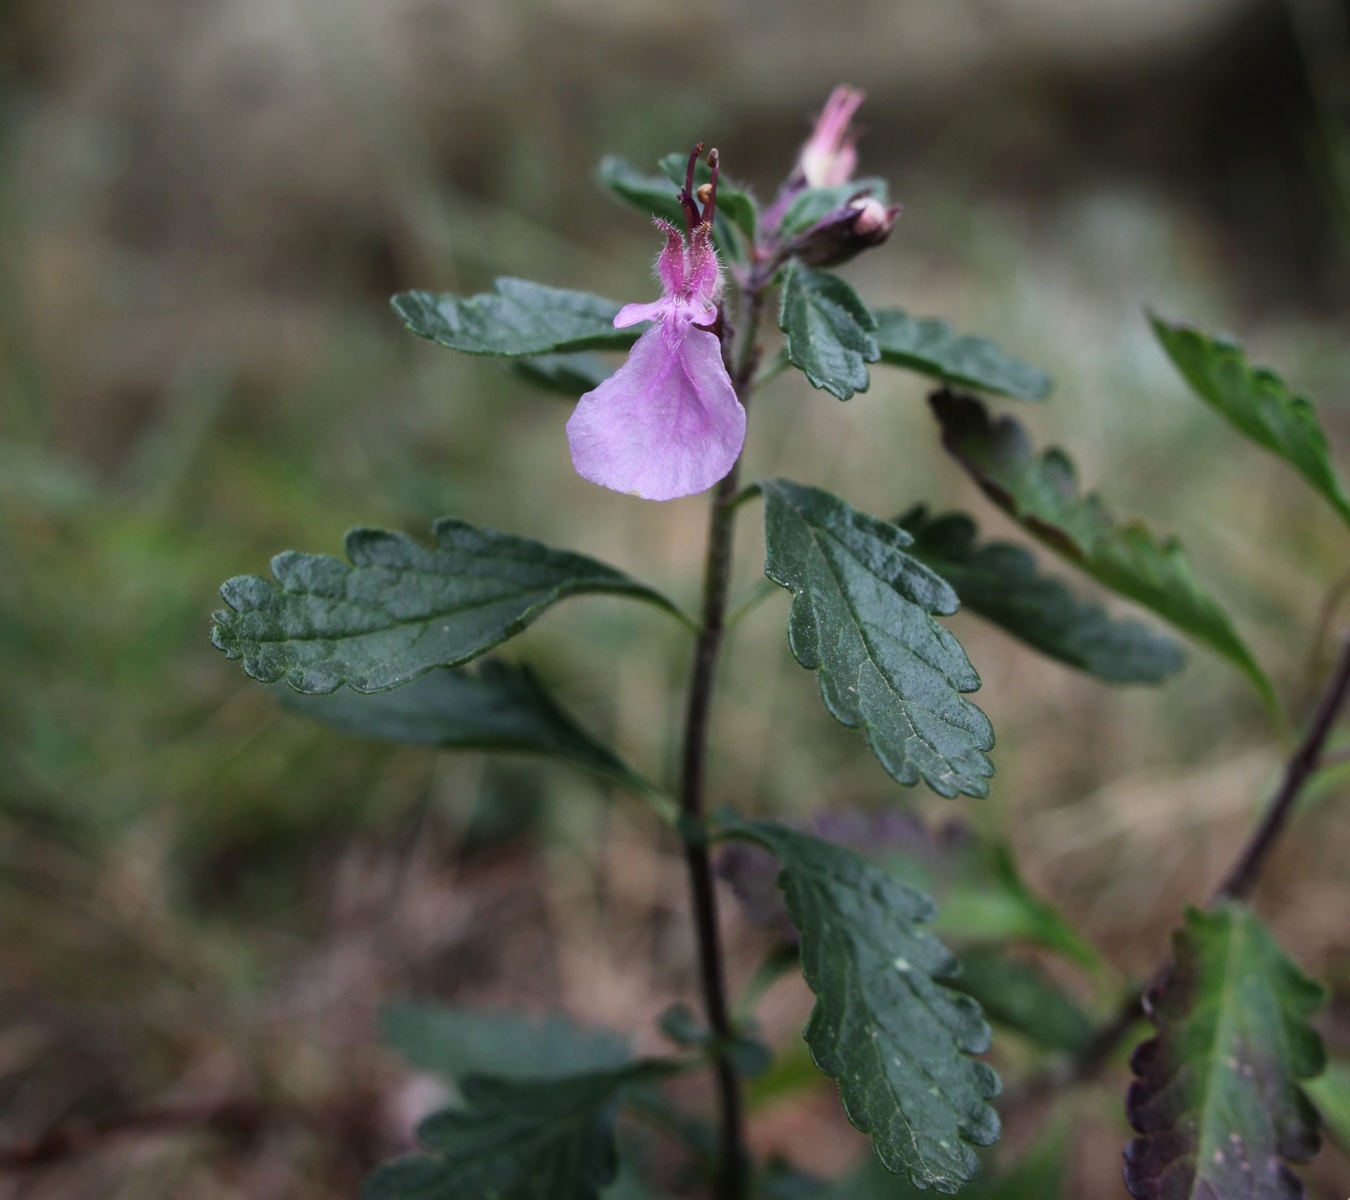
517, 1140
931, 347
814, 204
658, 196
1042, 494
494, 707
1216, 1098
458, 1043
885, 1024
999, 581
1257, 402
570, 375
518, 318
862, 616
829, 330
1330, 1092
1020, 996
400, 608
984, 898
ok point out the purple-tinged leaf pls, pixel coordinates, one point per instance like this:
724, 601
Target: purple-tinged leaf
1216, 1099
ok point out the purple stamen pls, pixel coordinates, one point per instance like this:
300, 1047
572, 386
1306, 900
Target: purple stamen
687, 202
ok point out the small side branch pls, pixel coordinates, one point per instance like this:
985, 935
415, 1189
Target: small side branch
1237, 885
1300, 767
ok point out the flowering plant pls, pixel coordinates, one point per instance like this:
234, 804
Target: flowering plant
378, 645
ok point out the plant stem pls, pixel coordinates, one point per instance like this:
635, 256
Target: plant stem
1247, 870
716, 579
1239, 882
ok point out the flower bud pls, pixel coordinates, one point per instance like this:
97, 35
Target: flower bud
859, 225
829, 156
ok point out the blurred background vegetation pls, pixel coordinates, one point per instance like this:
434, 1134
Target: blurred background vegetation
203, 210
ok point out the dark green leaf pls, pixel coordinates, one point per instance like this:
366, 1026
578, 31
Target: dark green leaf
1023, 998
862, 616
1257, 402
930, 347
999, 581
652, 194
829, 330
458, 1043
567, 374
884, 1025
681, 1025
1042, 494
814, 204
517, 1140
492, 707
1216, 1097
747, 1054
401, 608
1330, 1092
517, 318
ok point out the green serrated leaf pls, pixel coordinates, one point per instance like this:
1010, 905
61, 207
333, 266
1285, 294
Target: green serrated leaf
1216, 1098
999, 581
885, 1026
569, 375
862, 616
814, 204
931, 347
1257, 402
829, 330
1020, 996
494, 707
401, 608
1042, 494
518, 318
518, 1140
458, 1043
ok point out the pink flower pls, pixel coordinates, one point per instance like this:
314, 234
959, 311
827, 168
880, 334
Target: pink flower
668, 422
830, 157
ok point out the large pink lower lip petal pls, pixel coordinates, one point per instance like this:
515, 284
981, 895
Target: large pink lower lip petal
666, 424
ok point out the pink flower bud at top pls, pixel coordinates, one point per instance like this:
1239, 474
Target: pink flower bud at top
829, 156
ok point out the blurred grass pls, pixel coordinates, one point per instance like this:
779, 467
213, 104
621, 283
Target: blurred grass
201, 895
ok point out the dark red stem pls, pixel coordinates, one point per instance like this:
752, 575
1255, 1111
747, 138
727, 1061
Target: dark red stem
1305, 760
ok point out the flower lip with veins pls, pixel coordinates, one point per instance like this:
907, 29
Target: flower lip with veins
668, 422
